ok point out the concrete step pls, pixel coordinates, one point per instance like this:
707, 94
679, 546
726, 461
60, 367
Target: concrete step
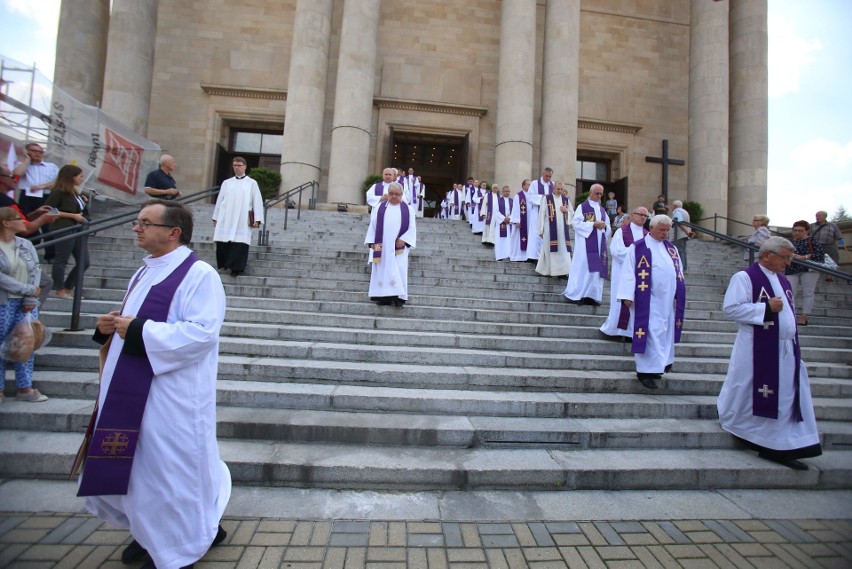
38, 454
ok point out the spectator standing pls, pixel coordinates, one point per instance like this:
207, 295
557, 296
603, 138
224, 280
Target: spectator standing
801, 277
611, 207
828, 235
19, 277
37, 178
761, 232
682, 234
160, 184
67, 199
620, 217
660, 207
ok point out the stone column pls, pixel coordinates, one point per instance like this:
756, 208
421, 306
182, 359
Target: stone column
749, 136
515, 93
130, 62
81, 44
353, 101
306, 83
708, 108
561, 89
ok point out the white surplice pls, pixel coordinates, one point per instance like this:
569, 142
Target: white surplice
617, 252
582, 283
503, 245
478, 224
558, 263
488, 228
659, 349
454, 197
179, 486
735, 399
535, 198
389, 277
231, 214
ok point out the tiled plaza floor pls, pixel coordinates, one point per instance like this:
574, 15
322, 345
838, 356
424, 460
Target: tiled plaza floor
76, 540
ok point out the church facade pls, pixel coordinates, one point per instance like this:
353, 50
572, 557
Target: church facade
334, 90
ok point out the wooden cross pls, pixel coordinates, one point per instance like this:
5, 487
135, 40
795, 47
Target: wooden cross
765, 391
665, 161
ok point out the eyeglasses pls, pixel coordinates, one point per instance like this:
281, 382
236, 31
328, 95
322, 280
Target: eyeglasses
146, 224
642, 214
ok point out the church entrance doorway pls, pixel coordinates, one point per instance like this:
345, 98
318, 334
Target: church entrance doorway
439, 159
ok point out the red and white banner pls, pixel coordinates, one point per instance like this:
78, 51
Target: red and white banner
115, 159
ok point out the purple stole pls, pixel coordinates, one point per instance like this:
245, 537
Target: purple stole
551, 216
765, 371
548, 186
413, 190
627, 237
505, 209
379, 189
642, 295
596, 253
522, 203
380, 229
114, 437
490, 207
453, 205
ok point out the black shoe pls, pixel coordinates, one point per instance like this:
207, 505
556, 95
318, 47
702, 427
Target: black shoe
668, 368
134, 553
647, 379
220, 535
572, 301
398, 302
788, 462
384, 301
235, 274
607, 337
589, 301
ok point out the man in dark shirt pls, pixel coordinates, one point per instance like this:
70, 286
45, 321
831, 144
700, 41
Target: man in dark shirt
159, 183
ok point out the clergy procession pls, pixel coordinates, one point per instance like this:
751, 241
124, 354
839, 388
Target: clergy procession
647, 297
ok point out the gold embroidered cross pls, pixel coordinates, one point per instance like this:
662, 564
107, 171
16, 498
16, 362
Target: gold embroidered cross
642, 286
640, 333
765, 391
766, 325
643, 274
114, 443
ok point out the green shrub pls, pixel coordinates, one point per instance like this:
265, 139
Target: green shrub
269, 181
370, 181
695, 211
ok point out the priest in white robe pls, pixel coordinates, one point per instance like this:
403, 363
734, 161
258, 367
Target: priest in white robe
653, 288
455, 202
178, 487
392, 233
420, 188
538, 189
522, 221
766, 398
590, 265
239, 209
477, 209
489, 222
469, 189
622, 239
378, 192
555, 215
504, 227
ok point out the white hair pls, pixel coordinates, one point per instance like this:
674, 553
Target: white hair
677, 203
165, 158
394, 185
775, 243
658, 219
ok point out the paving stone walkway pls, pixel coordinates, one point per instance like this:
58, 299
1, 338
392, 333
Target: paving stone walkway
40, 540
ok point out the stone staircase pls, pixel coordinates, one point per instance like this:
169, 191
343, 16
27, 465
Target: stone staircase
485, 379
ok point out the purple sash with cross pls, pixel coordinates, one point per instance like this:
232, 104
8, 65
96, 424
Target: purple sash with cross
380, 229
489, 207
765, 370
544, 188
116, 433
642, 295
504, 205
552, 214
411, 181
627, 238
455, 202
596, 253
379, 189
522, 204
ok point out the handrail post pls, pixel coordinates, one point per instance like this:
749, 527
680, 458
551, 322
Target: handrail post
715, 225
83, 243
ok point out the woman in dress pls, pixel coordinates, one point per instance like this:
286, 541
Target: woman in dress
19, 278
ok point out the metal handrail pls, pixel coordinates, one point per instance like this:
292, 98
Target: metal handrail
751, 248
263, 236
87, 228
716, 217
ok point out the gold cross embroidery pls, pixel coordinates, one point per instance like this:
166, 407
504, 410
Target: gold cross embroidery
766, 325
765, 391
640, 333
114, 443
642, 286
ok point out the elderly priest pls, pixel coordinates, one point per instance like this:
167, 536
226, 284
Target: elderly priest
766, 398
392, 232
